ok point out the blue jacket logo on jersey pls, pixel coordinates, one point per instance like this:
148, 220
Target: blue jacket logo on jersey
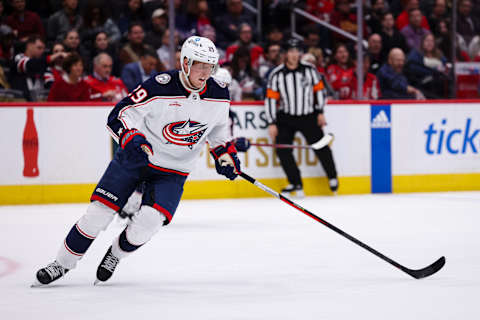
184, 133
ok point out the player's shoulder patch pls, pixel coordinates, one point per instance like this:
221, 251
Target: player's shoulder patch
220, 83
163, 78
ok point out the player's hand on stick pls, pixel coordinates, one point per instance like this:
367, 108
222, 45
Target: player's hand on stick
226, 160
135, 144
242, 144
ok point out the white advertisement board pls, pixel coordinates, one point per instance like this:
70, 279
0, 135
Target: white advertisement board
435, 138
349, 124
70, 145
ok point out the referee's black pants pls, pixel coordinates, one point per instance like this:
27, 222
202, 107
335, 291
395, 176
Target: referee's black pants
287, 127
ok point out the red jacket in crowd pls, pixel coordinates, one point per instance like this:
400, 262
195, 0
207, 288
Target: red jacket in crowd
99, 87
342, 80
403, 20
371, 87
63, 90
30, 24
256, 52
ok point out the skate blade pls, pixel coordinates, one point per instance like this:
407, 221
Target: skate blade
97, 282
37, 284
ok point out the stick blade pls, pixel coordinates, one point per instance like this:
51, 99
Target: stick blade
427, 271
326, 140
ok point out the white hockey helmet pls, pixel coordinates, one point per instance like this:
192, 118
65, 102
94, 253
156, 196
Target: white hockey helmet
200, 49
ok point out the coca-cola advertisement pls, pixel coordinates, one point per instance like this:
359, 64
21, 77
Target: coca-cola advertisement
30, 147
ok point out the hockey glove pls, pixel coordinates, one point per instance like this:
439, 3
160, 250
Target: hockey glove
135, 145
226, 160
242, 144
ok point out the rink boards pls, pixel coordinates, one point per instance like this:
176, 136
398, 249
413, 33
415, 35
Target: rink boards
380, 147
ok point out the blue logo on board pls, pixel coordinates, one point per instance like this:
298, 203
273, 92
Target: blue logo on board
440, 138
381, 123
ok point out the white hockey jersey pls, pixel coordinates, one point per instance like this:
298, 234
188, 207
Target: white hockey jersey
175, 121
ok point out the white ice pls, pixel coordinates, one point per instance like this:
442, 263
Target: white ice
257, 259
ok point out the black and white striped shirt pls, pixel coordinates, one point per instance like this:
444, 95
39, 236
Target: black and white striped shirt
295, 92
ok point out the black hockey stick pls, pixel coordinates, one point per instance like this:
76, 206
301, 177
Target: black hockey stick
326, 140
417, 274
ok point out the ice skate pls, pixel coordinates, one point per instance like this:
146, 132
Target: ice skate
293, 191
50, 273
107, 267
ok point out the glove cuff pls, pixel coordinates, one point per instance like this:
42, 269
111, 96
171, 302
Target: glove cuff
128, 135
218, 151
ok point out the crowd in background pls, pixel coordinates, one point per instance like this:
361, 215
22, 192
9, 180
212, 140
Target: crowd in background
99, 50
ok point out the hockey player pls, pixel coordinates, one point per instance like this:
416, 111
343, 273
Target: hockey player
161, 127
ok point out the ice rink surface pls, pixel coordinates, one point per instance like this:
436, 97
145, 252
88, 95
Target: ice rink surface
257, 259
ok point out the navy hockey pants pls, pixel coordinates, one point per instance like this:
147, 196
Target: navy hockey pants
163, 187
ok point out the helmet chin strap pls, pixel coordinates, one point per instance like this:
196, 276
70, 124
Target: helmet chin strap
186, 82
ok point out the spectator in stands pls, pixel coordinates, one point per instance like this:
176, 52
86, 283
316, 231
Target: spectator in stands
373, 16
199, 13
322, 9
96, 19
438, 12
3, 79
371, 87
246, 76
64, 20
374, 52
340, 73
345, 19
393, 82
403, 18
474, 49
135, 46
104, 86
444, 43
272, 59
316, 38
135, 73
159, 26
209, 32
29, 68
72, 43
245, 40
6, 45
132, 13
72, 86
101, 45
319, 59
185, 18
414, 32
427, 69
228, 24
468, 26
391, 37
274, 36
55, 70
23, 22
163, 52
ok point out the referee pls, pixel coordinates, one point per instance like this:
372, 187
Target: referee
294, 102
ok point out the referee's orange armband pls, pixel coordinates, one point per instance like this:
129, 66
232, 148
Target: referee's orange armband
271, 94
319, 86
